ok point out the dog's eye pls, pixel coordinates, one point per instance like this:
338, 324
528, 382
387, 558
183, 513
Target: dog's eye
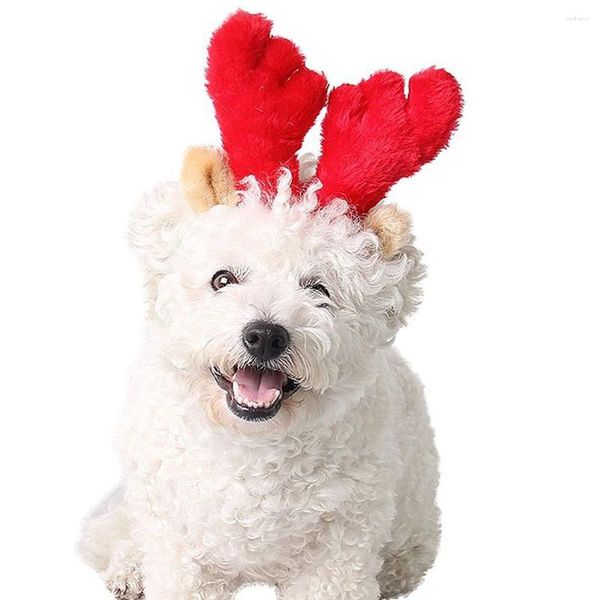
320, 288
222, 278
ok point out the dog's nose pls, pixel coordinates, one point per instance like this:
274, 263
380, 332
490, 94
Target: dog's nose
265, 341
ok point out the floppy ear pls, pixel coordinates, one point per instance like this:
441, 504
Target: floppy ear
401, 263
206, 179
392, 227
157, 225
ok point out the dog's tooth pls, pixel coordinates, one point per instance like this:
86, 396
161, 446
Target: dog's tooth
273, 397
239, 396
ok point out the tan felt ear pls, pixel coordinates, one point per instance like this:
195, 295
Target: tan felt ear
206, 179
392, 227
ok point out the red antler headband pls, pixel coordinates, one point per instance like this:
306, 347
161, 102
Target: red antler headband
373, 136
266, 100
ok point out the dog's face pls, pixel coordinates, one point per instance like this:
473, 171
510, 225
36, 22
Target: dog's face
274, 311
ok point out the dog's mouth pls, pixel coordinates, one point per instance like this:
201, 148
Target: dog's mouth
255, 394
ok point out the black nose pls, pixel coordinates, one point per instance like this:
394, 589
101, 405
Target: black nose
265, 341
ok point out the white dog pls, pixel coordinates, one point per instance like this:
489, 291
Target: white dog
272, 433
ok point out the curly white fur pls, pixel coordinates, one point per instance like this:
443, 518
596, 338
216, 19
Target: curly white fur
333, 498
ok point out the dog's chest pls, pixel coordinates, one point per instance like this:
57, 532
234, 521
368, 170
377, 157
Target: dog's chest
262, 504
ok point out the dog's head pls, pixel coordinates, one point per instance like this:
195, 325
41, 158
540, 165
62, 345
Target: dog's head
273, 281
274, 304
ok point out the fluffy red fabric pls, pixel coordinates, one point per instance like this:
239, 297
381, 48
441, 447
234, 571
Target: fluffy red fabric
265, 98
373, 135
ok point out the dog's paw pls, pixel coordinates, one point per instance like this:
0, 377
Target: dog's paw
125, 584
126, 591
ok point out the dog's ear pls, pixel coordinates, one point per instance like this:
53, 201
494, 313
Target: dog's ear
392, 227
401, 265
157, 225
206, 179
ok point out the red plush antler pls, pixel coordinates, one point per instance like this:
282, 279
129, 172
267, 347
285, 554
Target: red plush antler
373, 136
264, 96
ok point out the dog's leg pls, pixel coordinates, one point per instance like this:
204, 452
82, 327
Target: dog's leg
339, 578
342, 565
403, 570
407, 559
107, 546
172, 573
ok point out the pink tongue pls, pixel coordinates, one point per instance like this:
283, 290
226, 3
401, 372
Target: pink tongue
259, 387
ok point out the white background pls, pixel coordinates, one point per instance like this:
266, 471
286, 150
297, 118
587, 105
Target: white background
99, 100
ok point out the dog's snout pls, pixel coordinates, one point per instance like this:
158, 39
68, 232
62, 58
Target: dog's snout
265, 341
